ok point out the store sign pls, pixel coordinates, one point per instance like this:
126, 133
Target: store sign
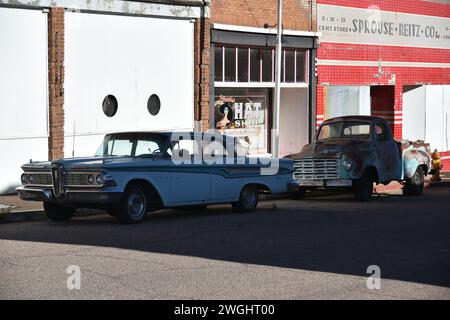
244, 117
374, 26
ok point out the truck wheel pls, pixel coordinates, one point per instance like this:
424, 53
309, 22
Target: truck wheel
414, 185
298, 195
133, 205
363, 188
58, 212
248, 199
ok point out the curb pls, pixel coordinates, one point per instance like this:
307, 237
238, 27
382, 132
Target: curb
36, 215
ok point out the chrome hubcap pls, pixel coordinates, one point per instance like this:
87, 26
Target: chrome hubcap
249, 197
136, 205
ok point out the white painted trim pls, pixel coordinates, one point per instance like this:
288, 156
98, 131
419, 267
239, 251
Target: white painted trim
362, 63
258, 85
228, 27
117, 6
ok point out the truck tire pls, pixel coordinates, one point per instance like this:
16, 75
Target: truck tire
298, 195
363, 187
132, 208
248, 199
414, 185
58, 212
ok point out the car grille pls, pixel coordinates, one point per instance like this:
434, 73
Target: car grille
44, 179
316, 169
75, 179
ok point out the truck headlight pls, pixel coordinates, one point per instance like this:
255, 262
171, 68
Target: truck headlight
25, 179
347, 164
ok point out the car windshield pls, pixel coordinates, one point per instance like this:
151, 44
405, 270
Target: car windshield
134, 145
344, 129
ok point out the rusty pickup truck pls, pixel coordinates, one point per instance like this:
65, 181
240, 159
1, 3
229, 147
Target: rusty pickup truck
355, 152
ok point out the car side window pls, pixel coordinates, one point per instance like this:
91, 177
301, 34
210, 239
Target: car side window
380, 132
146, 147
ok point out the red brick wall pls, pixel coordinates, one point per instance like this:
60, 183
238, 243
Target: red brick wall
201, 72
297, 14
56, 82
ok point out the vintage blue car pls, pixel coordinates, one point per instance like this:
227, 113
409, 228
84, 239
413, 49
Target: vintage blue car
136, 172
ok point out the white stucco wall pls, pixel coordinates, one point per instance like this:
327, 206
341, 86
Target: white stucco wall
130, 58
23, 92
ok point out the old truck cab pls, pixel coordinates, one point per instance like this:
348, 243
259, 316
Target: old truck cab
354, 152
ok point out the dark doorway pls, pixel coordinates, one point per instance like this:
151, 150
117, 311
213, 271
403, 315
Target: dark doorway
382, 103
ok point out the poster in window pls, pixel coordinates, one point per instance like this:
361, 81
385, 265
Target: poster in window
244, 117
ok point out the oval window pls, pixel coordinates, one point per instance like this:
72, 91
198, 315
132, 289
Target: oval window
153, 104
109, 105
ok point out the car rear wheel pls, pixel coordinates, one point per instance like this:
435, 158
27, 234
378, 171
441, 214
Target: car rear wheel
414, 185
248, 199
58, 212
363, 188
133, 206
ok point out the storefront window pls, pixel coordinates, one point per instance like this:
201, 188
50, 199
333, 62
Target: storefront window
267, 65
289, 66
242, 64
257, 65
300, 66
230, 64
243, 113
218, 64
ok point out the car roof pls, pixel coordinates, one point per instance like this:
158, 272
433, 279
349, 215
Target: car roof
354, 118
169, 133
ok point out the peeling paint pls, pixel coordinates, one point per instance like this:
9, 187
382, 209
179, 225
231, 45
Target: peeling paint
116, 6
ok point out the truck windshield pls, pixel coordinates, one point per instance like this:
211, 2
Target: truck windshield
134, 145
344, 129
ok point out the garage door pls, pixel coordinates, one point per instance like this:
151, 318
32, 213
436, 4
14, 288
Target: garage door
129, 59
23, 92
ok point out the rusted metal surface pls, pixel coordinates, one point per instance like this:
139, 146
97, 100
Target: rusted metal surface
388, 159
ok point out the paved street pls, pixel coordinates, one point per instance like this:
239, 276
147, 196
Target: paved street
316, 248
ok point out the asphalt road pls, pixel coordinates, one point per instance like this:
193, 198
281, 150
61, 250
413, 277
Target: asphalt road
317, 248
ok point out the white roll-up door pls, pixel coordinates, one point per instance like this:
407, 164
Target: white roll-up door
23, 92
130, 58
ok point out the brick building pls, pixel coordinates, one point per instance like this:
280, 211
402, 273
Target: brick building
390, 59
72, 72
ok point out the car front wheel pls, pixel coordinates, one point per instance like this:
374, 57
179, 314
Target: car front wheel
133, 206
248, 199
363, 188
58, 212
414, 185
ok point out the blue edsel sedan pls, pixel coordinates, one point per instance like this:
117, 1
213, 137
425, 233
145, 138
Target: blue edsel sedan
136, 172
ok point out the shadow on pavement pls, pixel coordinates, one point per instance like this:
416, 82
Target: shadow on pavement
408, 238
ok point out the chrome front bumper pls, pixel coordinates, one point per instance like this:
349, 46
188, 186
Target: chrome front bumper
320, 183
70, 196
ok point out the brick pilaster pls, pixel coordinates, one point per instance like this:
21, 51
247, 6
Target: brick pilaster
56, 83
398, 112
202, 71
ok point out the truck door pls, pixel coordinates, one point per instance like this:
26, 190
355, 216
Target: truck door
387, 152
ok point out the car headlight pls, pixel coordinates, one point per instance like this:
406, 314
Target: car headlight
32, 178
25, 179
100, 179
347, 164
91, 179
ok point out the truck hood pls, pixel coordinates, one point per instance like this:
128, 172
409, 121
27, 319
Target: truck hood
331, 148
